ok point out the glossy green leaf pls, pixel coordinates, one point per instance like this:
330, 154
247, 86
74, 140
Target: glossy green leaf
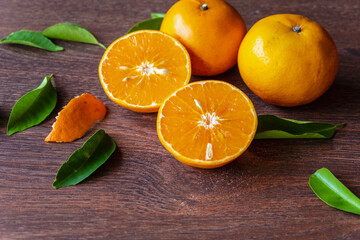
84, 161
30, 38
329, 189
150, 24
71, 32
273, 127
32, 108
157, 15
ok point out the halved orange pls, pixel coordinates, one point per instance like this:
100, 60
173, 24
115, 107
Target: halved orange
141, 69
207, 124
76, 118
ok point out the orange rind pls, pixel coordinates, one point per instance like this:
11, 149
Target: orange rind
76, 118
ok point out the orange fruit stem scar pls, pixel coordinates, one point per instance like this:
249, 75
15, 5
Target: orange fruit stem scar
204, 7
76, 118
207, 124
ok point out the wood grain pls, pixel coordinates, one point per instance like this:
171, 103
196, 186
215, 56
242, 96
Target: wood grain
142, 192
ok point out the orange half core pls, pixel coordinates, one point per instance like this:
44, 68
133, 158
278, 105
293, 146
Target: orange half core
207, 124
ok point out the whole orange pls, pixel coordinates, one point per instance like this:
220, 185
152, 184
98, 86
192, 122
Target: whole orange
288, 60
211, 31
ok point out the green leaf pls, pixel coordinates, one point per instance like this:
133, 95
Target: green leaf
84, 161
329, 189
273, 127
32, 108
157, 15
71, 32
150, 24
33, 39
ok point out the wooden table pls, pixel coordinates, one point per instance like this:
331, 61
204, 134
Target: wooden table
142, 192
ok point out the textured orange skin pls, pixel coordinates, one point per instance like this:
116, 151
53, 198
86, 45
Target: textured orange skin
211, 36
76, 118
284, 67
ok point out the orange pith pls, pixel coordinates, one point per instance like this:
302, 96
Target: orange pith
207, 124
76, 118
140, 70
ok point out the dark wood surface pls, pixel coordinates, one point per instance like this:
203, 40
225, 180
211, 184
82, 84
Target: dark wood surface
142, 192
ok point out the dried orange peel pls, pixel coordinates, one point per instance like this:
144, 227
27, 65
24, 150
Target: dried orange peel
207, 124
76, 118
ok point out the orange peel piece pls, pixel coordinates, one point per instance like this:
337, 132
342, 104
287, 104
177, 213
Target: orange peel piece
76, 118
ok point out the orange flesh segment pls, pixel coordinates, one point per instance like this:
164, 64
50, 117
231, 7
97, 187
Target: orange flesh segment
207, 124
140, 70
76, 118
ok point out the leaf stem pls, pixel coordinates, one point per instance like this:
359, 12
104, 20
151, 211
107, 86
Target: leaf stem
101, 45
340, 125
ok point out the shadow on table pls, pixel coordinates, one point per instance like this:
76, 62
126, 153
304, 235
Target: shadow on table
342, 96
266, 160
3, 121
339, 98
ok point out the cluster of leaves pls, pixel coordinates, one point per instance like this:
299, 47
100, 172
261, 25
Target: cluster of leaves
33, 108
63, 31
